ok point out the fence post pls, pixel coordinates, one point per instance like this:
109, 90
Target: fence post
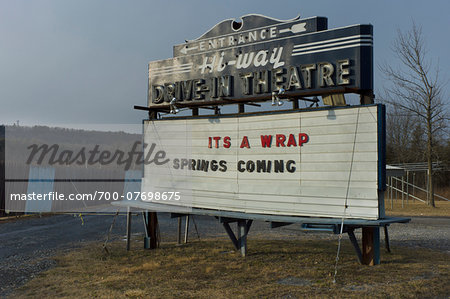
396, 188
407, 187
392, 200
403, 190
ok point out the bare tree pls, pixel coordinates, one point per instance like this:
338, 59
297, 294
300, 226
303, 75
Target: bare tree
416, 87
399, 135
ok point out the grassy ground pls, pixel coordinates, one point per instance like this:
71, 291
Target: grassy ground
417, 208
211, 269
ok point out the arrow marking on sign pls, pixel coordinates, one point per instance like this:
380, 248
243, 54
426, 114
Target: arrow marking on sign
186, 49
295, 28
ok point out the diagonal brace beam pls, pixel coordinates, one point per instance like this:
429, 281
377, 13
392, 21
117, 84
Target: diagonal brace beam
386, 239
230, 233
351, 235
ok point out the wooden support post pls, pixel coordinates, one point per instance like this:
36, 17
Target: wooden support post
241, 108
295, 104
179, 231
128, 228
152, 228
370, 246
194, 111
186, 230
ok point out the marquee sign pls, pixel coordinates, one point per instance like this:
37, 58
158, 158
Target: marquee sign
322, 162
250, 60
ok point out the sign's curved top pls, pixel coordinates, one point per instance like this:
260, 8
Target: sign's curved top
247, 22
219, 35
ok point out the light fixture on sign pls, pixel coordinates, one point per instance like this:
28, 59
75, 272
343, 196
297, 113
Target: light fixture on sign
173, 108
276, 97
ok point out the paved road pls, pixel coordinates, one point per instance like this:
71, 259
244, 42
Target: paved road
27, 245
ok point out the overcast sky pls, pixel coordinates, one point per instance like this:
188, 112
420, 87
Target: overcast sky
85, 61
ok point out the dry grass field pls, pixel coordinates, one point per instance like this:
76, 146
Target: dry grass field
417, 208
273, 268
211, 269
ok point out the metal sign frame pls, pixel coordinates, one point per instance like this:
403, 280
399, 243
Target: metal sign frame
360, 128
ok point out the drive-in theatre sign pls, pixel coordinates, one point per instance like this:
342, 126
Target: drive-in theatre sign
250, 60
325, 162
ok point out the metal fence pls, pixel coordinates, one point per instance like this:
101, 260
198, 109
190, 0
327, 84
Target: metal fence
404, 186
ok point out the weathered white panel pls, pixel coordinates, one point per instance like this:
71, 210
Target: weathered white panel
338, 164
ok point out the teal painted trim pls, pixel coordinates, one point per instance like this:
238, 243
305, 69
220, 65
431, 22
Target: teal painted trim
381, 147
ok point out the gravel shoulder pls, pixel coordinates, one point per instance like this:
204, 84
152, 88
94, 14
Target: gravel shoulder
28, 244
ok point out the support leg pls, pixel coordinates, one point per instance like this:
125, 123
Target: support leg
179, 231
195, 226
242, 237
146, 236
186, 230
243, 227
128, 228
152, 228
386, 239
371, 246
